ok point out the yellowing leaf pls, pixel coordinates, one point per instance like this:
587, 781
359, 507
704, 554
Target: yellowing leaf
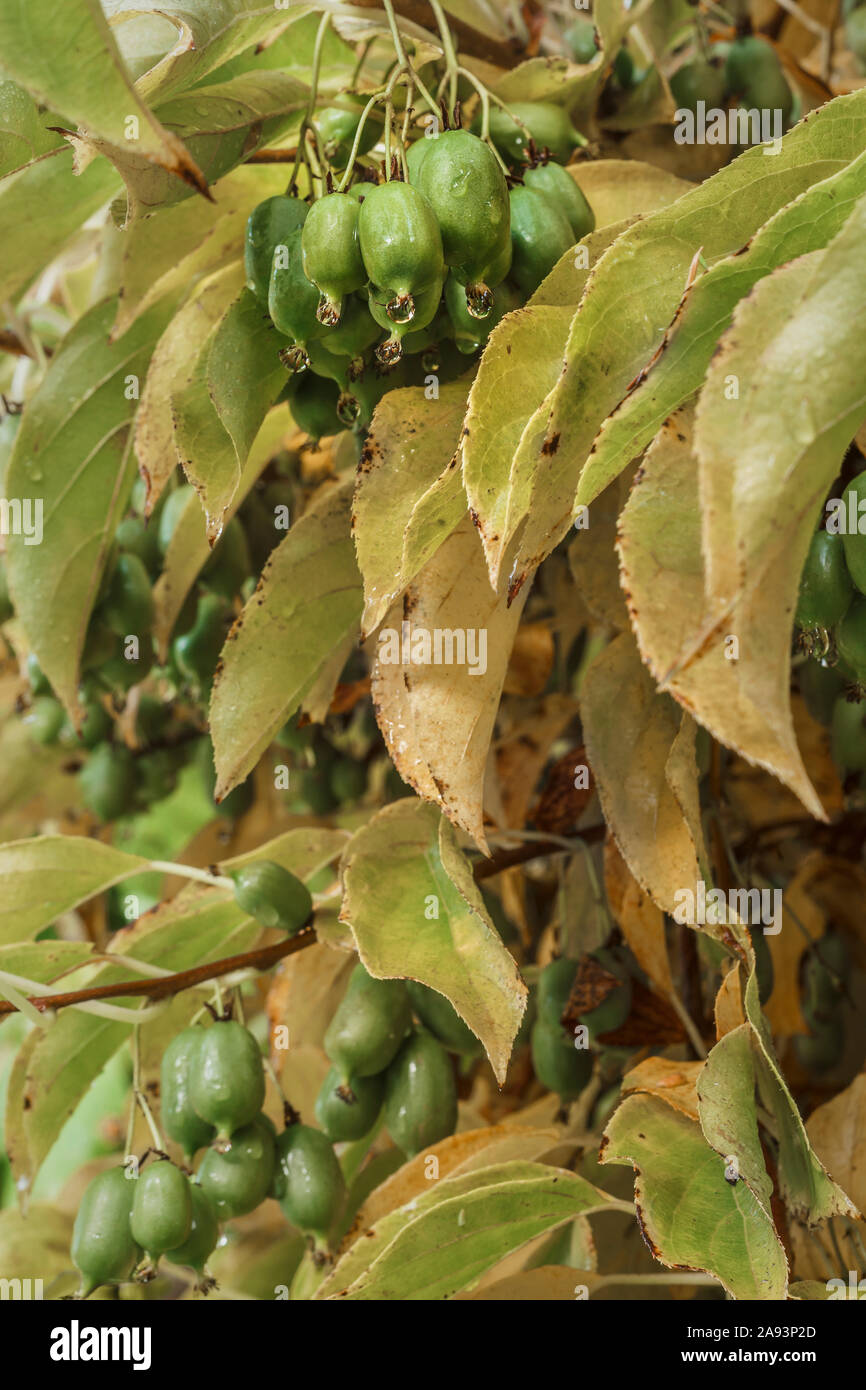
416, 913
45, 877
440, 664
307, 601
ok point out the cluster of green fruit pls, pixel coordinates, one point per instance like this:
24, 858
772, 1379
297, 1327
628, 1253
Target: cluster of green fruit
750, 73
378, 285
822, 974
831, 621
559, 1063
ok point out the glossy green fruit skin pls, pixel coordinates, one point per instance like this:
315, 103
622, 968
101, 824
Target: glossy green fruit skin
107, 781
416, 154
45, 719
203, 1232
331, 253
825, 585
558, 1064
368, 1026
135, 537
338, 125
228, 1082
441, 1018
344, 1120
853, 541
161, 1215
292, 298
554, 988
355, 332
848, 735
557, 185
239, 1180
426, 307
466, 188
229, 563
698, 81
128, 606
269, 225
171, 512
540, 235
420, 1094
196, 652
313, 1185
272, 895
179, 1118
401, 245
820, 687
469, 332
313, 406
754, 73
851, 637
103, 1247
549, 126
581, 39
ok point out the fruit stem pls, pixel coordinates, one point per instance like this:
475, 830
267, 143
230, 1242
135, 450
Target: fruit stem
402, 57
306, 123
344, 181
8, 991
450, 54
187, 871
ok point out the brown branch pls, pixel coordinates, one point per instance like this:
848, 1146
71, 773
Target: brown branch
272, 157
471, 41
264, 956
260, 959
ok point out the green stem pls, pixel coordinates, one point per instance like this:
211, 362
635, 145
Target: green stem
402, 57
165, 866
451, 63
344, 181
306, 123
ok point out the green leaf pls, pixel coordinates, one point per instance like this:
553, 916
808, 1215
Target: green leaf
446, 1239
804, 1183
690, 1216
636, 290
220, 126
620, 189
438, 674
727, 1111
308, 600
641, 751
33, 37
42, 961
51, 202
73, 454
408, 497
416, 913
23, 136
188, 550
179, 245
45, 877
177, 417
807, 224
35, 1246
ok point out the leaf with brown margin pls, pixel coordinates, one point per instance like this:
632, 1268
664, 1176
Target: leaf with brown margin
837, 1130
690, 1216
394, 868
307, 601
641, 922
806, 224
173, 363
33, 36
630, 732
744, 703
793, 345
408, 496
620, 189
728, 1116
188, 549
673, 1082
437, 720
633, 294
